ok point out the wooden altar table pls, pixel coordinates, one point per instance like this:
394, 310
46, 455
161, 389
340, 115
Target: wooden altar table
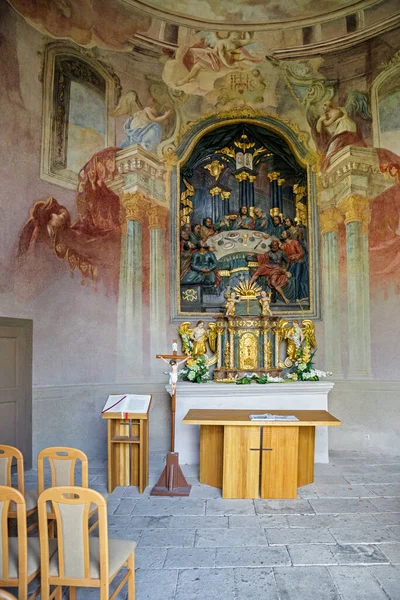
251, 459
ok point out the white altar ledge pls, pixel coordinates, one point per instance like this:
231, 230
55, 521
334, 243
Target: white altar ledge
300, 395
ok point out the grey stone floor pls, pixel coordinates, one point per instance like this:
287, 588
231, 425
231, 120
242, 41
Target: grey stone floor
339, 540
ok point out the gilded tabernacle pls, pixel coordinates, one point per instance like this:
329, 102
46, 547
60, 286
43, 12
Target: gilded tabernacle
246, 339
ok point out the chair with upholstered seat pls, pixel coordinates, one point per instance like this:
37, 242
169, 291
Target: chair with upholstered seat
19, 556
63, 462
82, 560
7, 454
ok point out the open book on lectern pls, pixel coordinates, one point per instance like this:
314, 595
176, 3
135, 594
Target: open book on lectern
127, 403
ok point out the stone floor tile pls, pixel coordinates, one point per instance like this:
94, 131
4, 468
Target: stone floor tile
125, 507
389, 579
226, 507
283, 507
312, 554
155, 585
190, 558
342, 491
167, 538
389, 518
343, 505
331, 478
203, 491
331, 520
119, 491
392, 551
252, 557
353, 554
123, 533
308, 583
133, 492
151, 522
264, 521
155, 506
394, 468
368, 478
199, 522
356, 583
257, 584
396, 531
363, 534
201, 584
112, 504
292, 535
213, 538
385, 489
386, 504
150, 558
306, 491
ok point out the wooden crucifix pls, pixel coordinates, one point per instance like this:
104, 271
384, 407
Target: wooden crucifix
172, 481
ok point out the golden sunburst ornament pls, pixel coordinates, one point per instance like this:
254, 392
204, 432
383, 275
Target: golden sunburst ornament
247, 290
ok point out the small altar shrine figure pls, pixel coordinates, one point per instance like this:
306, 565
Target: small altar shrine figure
232, 299
265, 302
199, 339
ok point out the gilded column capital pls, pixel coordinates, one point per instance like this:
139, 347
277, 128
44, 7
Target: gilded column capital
158, 217
274, 176
281, 181
330, 220
134, 207
215, 191
354, 208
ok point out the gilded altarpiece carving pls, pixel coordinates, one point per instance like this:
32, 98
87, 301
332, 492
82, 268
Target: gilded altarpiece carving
243, 204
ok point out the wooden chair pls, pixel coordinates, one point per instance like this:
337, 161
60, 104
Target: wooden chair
62, 463
6, 595
19, 556
81, 561
7, 454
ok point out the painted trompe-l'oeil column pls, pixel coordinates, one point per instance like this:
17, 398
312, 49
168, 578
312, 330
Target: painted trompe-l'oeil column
158, 219
330, 220
355, 210
130, 309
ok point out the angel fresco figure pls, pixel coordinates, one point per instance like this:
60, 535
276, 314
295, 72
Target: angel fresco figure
229, 52
339, 127
143, 126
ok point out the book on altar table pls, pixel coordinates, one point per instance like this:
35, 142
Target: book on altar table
127, 403
270, 417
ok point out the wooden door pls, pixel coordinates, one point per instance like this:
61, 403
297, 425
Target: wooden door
16, 385
241, 470
279, 471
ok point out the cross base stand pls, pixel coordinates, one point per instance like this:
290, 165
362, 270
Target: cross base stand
172, 481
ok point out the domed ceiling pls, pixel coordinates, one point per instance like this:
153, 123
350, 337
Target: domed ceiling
256, 13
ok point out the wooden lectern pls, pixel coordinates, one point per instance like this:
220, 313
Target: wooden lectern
172, 481
128, 440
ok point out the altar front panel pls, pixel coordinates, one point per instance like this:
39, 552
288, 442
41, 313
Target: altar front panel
286, 396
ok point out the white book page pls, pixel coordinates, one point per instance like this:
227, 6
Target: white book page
125, 403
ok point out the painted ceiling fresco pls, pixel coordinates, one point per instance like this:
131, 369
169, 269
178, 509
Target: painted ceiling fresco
248, 11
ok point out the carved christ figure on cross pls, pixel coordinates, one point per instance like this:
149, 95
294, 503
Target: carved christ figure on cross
174, 373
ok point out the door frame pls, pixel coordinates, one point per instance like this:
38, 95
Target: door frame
24, 428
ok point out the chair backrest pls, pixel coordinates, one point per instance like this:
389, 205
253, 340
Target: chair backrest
62, 467
71, 507
7, 454
8, 495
